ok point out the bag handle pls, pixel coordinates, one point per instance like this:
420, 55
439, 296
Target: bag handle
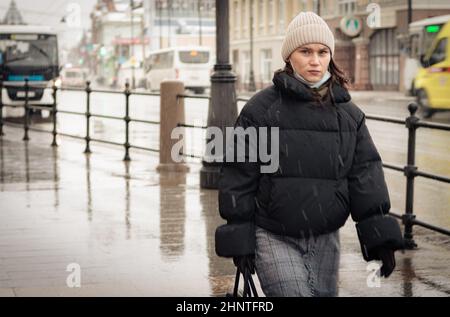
249, 285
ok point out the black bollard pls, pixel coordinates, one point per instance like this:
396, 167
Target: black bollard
1, 108
88, 116
54, 111
127, 121
410, 171
26, 114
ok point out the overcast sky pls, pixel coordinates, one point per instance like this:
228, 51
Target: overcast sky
50, 12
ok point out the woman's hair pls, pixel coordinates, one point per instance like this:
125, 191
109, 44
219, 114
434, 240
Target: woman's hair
337, 74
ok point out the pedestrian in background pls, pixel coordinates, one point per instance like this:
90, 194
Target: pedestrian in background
285, 224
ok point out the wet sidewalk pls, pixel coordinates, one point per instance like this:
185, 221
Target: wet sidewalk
136, 232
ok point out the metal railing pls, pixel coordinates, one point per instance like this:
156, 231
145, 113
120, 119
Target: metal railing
87, 114
410, 170
185, 125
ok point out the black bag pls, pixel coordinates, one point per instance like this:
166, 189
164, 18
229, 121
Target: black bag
235, 239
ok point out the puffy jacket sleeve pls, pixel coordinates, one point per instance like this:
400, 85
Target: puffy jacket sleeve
239, 181
369, 198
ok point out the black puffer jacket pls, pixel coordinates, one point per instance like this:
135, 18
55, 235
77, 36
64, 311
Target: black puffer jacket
328, 168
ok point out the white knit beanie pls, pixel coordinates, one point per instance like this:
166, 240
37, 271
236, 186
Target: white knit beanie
305, 28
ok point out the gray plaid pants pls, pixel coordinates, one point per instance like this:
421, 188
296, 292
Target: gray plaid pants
297, 267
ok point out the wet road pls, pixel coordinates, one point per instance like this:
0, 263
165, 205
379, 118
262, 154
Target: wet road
135, 232
132, 231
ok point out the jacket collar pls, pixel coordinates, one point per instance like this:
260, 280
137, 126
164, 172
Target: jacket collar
294, 87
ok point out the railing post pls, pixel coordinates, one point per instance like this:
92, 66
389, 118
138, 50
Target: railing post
54, 111
127, 121
410, 173
1, 108
171, 113
25, 117
88, 115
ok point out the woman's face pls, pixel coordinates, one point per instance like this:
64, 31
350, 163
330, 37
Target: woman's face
311, 61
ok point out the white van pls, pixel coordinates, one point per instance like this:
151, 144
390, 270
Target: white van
74, 77
190, 64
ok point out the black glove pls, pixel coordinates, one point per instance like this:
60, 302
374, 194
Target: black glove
387, 257
245, 262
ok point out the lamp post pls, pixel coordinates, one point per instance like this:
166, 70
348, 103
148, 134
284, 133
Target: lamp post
251, 84
222, 110
409, 12
409, 17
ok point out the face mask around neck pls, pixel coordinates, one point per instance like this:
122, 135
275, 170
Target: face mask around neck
325, 77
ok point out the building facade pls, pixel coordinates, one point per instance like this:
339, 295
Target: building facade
371, 37
178, 22
270, 19
124, 32
118, 39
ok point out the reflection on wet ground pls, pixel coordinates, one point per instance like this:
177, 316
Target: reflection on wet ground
136, 232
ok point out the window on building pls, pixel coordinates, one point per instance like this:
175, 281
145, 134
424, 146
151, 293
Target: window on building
266, 65
302, 5
270, 13
237, 19
384, 59
323, 7
261, 16
245, 67
315, 6
235, 60
281, 6
346, 7
245, 18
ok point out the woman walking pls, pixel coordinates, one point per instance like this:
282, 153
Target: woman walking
285, 224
